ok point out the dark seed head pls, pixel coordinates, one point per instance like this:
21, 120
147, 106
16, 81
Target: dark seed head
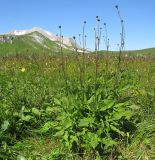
97, 17
116, 6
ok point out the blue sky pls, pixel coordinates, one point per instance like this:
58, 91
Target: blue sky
139, 17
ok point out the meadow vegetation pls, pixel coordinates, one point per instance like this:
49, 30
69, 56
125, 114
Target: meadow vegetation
77, 105
43, 117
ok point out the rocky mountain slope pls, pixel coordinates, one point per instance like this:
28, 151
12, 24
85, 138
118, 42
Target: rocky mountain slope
33, 40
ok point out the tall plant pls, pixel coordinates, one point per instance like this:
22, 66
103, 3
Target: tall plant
97, 46
80, 39
62, 55
106, 41
83, 42
82, 68
122, 37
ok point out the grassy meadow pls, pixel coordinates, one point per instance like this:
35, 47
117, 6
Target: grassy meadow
77, 107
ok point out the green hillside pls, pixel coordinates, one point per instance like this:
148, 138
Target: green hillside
37, 43
148, 51
27, 44
143, 52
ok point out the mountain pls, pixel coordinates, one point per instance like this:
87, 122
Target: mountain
66, 41
33, 40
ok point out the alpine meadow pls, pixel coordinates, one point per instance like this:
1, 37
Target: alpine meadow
64, 98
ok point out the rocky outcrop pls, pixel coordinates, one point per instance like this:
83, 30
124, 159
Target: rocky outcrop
6, 39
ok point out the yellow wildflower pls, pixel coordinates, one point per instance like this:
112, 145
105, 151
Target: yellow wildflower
23, 70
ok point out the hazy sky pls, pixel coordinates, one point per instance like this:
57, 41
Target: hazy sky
139, 17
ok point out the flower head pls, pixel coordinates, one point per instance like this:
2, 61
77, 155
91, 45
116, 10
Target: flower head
23, 70
97, 17
116, 6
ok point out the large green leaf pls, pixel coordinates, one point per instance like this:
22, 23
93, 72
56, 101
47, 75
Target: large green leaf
118, 105
5, 125
57, 102
84, 122
73, 139
134, 107
59, 133
26, 118
117, 130
108, 104
36, 111
91, 100
108, 142
46, 127
92, 140
119, 115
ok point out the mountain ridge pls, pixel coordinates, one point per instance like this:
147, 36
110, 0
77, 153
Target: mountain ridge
39, 40
35, 40
66, 40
